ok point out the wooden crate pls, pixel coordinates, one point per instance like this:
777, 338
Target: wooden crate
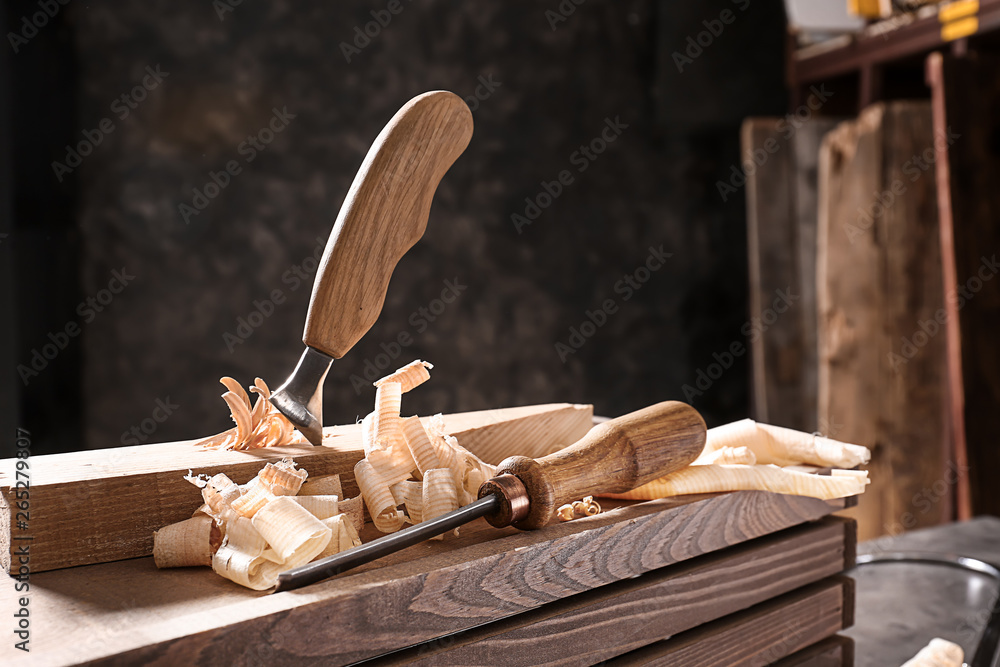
666, 565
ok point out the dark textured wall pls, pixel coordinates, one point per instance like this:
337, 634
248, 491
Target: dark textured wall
549, 92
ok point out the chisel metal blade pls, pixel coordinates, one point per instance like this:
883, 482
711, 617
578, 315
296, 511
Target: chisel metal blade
301, 397
328, 567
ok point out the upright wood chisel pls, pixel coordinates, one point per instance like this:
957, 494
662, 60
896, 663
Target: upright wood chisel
384, 215
614, 457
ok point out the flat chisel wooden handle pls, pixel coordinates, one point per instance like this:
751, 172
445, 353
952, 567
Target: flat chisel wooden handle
384, 214
614, 457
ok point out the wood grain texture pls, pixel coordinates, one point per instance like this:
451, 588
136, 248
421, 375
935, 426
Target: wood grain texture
102, 505
384, 214
966, 94
614, 619
881, 365
127, 612
760, 635
614, 457
781, 240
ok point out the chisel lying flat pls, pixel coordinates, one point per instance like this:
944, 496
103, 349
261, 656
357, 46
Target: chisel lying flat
614, 457
384, 214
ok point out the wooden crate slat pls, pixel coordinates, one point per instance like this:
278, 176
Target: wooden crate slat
127, 611
758, 636
835, 651
97, 506
614, 619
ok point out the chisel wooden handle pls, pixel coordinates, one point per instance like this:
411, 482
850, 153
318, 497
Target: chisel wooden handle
384, 214
613, 457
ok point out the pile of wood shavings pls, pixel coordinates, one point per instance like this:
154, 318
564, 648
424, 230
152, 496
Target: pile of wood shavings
412, 473
250, 533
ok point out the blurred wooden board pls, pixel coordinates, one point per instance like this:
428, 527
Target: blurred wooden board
781, 194
760, 635
882, 362
652, 607
129, 612
102, 505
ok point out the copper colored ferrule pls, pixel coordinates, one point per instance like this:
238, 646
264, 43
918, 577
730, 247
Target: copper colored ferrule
512, 500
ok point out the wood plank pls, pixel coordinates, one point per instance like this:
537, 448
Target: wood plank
781, 234
614, 619
849, 299
97, 506
881, 365
758, 636
128, 612
966, 94
836, 651
914, 401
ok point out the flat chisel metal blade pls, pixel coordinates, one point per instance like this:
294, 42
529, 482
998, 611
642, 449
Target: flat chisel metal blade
383, 546
301, 397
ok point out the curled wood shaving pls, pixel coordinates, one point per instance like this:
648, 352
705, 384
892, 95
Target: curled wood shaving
409, 376
295, 535
253, 500
421, 450
727, 456
184, 544
439, 495
410, 495
258, 426
785, 446
716, 478
321, 507
344, 536
385, 423
938, 653
282, 479
378, 498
